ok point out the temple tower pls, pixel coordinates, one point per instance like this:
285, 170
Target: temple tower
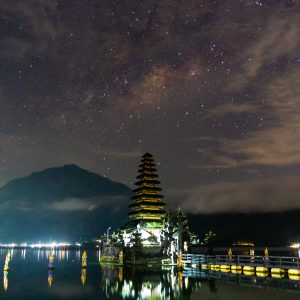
147, 199
150, 236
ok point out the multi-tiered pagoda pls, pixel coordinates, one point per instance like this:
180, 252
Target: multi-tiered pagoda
147, 199
144, 230
150, 237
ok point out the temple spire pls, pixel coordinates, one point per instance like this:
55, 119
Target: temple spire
147, 199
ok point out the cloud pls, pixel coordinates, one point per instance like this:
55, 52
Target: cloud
38, 28
279, 37
126, 154
73, 204
82, 204
217, 161
272, 142
270, 195
276, 144
232, 108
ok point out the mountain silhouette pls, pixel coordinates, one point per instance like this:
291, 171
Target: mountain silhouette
61, 203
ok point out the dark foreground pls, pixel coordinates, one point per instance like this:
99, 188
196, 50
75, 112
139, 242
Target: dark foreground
29, 278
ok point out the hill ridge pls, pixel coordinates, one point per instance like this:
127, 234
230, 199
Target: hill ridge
61, 196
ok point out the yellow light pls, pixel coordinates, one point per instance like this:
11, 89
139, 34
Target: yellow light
145, 207
147, 192
50, 278
243, 243
83, 276
5, 280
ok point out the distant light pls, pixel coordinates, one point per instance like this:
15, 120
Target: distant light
295, 245
38, 245
50, 245
243, 243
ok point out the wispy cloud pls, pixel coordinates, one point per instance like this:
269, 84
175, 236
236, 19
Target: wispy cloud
231, 108
251, 196
278, 38
38, 21
126, 154
82, 204
274, 141
73, 204
277, 144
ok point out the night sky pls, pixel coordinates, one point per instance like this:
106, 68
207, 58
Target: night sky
210, 88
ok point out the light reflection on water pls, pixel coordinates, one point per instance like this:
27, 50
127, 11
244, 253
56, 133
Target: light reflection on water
30, 278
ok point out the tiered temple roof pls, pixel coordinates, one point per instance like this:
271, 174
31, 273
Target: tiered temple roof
147, 203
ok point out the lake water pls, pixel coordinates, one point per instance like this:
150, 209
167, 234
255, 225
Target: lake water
29, 278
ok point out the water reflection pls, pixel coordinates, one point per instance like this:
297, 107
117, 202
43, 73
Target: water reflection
50, 278
258, 280
212, 286
5, 280
23, 254
134, 283
83, 276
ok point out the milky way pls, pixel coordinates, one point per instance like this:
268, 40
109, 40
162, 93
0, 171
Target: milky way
210, 88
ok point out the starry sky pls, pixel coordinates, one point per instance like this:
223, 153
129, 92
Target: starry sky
210, 88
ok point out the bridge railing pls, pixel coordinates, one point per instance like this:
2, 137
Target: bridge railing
194, 258
283, 262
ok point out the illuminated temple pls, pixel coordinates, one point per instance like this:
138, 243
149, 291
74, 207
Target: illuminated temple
147, 199
147, 214
152, 234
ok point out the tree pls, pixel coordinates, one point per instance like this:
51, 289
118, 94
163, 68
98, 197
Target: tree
136, 241
209, 241
183, 230
167, 235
